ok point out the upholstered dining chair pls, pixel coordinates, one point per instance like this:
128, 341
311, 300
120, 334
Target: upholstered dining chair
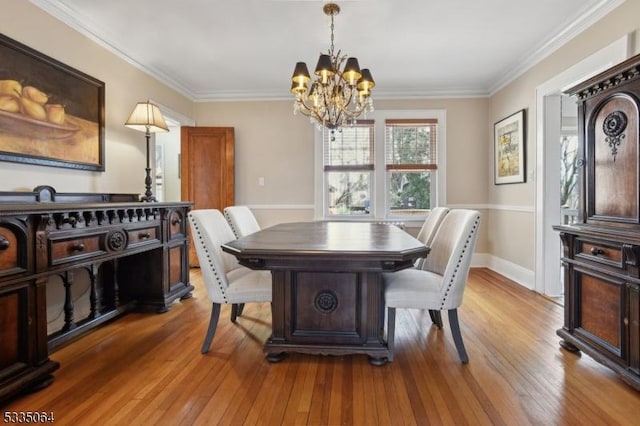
241, 220
226, 281
429, 228
440, 284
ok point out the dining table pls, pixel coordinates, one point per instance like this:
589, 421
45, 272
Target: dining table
328, 295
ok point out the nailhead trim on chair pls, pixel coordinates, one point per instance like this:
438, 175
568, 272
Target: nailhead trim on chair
455, 272
235, 231
215, 272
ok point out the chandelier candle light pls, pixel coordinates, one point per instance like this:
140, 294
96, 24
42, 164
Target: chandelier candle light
334, 99
146, 117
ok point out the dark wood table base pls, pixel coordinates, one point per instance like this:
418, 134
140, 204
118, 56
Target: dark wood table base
327, 313
327, 284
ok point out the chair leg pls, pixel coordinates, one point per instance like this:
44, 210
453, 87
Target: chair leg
457, 336
234, 312
240, 308
391, 330
211, 331
436, 318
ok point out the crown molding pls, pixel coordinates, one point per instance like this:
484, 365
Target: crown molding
568, 31
87, 28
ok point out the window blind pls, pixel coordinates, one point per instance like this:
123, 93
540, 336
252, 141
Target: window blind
411, 144
350, 149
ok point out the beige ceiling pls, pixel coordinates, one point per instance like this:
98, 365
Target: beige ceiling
246, 49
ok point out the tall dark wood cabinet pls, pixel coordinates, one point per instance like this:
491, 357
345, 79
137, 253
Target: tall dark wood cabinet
601, 252
133, 254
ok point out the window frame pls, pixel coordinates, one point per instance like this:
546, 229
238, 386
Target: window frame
392, 166
362, 168
379, 199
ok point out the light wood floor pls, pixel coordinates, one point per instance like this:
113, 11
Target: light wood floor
146, 369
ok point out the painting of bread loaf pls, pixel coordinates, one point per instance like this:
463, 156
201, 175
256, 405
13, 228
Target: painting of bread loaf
50, 113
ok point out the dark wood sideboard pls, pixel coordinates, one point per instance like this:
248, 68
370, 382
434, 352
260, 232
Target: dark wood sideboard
601, 252
133, 254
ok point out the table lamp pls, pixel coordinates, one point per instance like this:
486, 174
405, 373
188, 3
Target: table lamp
146, 117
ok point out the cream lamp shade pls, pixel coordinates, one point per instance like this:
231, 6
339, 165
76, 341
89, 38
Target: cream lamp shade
146, 117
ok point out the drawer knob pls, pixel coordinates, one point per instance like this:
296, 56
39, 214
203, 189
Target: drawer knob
596, 251
176, 221
78, 247
144, 235
4, 243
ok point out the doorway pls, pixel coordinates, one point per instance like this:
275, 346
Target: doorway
549, 134
167, 167
166, 148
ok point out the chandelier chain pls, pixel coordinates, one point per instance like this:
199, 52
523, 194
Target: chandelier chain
332, 46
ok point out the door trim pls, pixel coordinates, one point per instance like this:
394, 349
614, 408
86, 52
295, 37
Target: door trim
544, 238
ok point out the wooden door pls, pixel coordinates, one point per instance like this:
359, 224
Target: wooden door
207, 169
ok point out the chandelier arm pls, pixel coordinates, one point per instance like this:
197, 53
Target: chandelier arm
308, 111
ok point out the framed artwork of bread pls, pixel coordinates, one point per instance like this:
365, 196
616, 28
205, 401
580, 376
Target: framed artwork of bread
50, 113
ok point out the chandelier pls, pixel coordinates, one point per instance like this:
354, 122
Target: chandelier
334, 99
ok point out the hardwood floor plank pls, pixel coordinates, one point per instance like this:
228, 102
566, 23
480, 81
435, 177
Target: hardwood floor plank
319, 400
381, 397
336, 398
303, 406
147, 369
405, 384
363, 397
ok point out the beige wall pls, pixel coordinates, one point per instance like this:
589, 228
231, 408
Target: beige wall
512, 230
125, 85
271, 143
274, 144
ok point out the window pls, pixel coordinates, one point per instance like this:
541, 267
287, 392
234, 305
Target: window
388, 167
348, 166
411, 160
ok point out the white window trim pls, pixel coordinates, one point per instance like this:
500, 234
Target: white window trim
380, 176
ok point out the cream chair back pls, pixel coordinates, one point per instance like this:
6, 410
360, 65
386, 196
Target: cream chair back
241, 220
209, 231
451, 252
429, 228
431, 224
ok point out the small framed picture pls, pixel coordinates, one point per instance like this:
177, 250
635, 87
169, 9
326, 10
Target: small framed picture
509, 149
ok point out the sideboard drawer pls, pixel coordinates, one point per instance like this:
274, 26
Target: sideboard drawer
72, 249
176, 225
600, 252
9, 260
13, 245
142, 235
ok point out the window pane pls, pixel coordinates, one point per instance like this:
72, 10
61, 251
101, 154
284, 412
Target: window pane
410, 143
352, 146
349, 193
569, 178
409, 192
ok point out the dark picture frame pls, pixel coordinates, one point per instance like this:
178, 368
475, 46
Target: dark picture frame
509, 147
50, 113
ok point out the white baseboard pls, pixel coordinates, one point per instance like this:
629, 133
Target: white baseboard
522, 276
